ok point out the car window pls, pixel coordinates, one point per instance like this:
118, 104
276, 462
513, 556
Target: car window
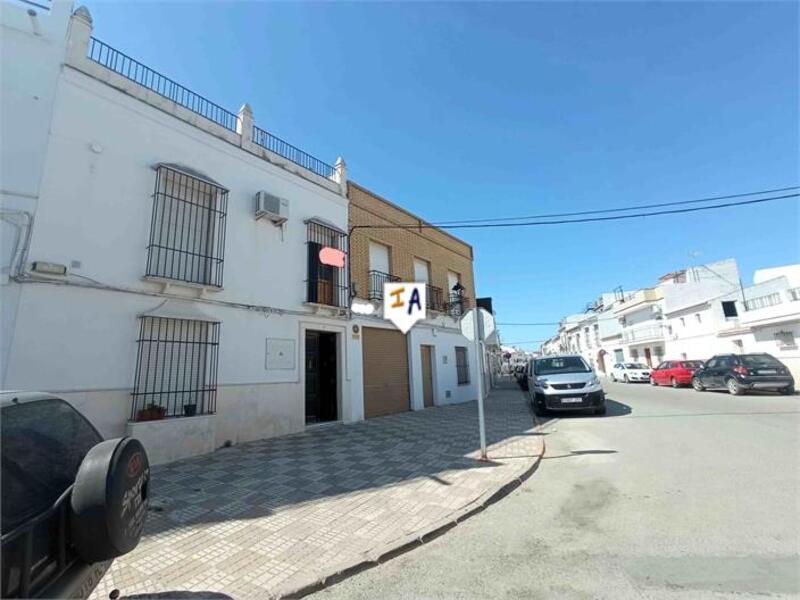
635, 366
43, 444
691, 364
754, 361
561, 364
727, 362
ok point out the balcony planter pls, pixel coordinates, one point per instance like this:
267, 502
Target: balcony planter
151, 413
189, 410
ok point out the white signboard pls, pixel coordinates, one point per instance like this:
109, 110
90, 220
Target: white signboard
404, 304
467, 324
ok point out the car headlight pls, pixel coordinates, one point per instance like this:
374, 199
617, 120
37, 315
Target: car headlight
541, 382
594, 380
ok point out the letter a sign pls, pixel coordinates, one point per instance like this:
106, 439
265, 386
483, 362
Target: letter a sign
404, 304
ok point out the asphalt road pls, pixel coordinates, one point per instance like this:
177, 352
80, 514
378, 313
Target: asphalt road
674, 494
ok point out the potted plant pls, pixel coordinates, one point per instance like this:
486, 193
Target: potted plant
189, 410
151, 412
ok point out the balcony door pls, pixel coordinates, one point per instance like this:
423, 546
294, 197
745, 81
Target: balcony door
379, 266
422, 271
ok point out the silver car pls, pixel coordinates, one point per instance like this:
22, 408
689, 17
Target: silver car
564, 382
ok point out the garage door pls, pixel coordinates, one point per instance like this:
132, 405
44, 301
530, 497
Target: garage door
385, 372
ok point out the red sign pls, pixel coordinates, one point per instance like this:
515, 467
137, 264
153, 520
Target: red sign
332, 257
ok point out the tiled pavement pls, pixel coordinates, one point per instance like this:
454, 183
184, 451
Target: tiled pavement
264, 518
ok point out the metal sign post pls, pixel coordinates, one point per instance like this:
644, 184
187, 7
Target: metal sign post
473, 328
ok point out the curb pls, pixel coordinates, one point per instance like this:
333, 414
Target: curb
309, 584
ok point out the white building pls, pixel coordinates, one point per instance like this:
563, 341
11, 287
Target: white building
764, 317
135, 270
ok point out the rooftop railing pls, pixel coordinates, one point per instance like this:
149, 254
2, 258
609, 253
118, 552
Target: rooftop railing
131, 69
282, 148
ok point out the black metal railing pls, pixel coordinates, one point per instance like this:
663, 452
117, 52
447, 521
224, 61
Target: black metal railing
376, 281
458, 305
187, 229
326, 284
176, 369
434, 298
129, 68
282, 148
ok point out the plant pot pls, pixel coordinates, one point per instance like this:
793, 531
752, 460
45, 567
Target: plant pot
151, 413
189, 410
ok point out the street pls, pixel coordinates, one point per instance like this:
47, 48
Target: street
675, 494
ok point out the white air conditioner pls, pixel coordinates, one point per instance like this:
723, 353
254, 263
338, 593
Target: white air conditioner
272, 207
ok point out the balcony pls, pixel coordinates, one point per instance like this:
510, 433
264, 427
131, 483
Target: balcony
638, 300
457, 305
650, 333
435, 298
376, 281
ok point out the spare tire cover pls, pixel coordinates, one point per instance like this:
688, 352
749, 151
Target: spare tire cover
110, 499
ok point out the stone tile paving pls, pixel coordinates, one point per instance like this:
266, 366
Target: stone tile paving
250, 520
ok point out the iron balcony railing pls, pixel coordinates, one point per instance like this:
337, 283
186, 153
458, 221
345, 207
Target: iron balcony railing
124, 65
129, 68
643, 334
327, 292
376, 281
286, 150
458, 305
435, 298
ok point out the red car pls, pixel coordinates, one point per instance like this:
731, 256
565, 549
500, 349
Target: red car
675, 372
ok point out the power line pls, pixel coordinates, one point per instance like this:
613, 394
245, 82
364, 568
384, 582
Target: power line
620, 209
587, 220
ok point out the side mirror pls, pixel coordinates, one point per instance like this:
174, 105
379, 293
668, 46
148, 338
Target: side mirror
110, 499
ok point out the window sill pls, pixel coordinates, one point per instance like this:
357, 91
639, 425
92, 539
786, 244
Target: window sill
166, 282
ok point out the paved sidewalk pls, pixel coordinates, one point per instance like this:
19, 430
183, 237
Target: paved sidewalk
267, 518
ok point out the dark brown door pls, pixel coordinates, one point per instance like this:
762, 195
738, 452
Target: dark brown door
321, 377
427, 375
647, 357
385, 372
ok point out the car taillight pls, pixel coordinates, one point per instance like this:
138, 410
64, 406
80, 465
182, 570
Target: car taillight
741, 370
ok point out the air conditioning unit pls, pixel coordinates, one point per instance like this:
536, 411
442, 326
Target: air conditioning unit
272, 207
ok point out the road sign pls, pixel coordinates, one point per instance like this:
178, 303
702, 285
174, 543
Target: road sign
467, 324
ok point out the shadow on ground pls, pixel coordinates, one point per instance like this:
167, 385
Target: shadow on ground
256, 479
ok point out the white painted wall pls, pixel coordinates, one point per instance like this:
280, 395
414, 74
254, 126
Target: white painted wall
93, 205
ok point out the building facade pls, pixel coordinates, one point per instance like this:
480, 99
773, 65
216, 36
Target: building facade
434, 364
162, 264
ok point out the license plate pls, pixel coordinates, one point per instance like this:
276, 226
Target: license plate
571, 400
767, 372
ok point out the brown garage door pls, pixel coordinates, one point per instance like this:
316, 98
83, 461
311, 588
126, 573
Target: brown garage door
385, 372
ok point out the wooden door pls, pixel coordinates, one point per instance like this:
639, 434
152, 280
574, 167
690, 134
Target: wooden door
427, 375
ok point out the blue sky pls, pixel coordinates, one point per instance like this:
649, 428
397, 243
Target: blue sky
485, 110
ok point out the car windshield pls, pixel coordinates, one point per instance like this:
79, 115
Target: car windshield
691, 364
561, 364
755, 361
635, 366
43, 444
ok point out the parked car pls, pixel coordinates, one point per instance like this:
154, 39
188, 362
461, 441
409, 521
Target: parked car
675, 372
521, 375
564, 382
71, 502
630, 372
742, 372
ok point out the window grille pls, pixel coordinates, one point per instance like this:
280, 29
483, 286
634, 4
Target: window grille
462, 366
176, 367
187, 229
325, 284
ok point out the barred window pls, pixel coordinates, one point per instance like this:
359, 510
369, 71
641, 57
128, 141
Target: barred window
462, 366
763, 301
326, 284
187, 230
176, 368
